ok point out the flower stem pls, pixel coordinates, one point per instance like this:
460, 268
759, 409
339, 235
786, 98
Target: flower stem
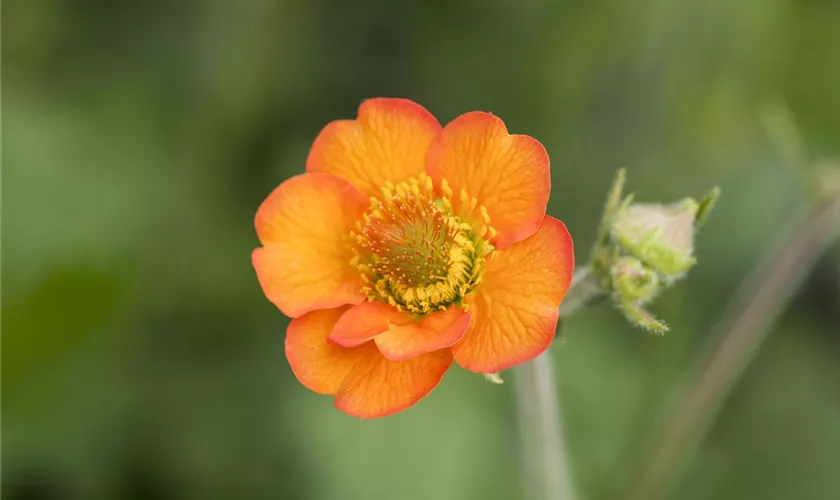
585, 288
543, 448
546, 468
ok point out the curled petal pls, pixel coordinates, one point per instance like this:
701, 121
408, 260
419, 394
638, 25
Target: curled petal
434, 331
399, 335
364, 322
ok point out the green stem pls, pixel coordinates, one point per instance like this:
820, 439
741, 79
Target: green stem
585, 287
543, 446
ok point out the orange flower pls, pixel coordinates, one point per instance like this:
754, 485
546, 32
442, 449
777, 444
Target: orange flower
406, 245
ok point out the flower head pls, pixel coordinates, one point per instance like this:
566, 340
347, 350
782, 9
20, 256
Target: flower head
406, 246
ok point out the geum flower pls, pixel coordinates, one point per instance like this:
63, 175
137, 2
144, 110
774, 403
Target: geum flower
406, 245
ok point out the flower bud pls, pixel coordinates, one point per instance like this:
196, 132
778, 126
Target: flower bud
633, 281
661, 236
643, 248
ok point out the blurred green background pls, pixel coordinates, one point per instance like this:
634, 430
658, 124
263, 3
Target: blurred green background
140, 359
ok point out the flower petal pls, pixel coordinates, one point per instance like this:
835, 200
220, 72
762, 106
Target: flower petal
377, 387
364, 322
319, 364
515, 309
434, 331
387, 142
508, 174
305, 226
399, 335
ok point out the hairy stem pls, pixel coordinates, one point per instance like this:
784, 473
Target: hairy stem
543, 448
752, 311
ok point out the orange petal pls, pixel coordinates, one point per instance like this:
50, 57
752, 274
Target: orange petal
366, 384
377, 387
364, 322
321, 365
399, 335
305, 226
387, 142
434, 331
508, 174
515, 309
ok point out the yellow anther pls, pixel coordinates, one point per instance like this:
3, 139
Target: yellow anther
444, 186
484, 214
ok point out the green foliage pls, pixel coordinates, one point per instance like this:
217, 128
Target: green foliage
56, 316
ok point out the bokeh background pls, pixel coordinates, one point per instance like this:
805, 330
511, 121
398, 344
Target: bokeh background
140, 359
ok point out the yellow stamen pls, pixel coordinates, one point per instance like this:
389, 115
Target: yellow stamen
415, 253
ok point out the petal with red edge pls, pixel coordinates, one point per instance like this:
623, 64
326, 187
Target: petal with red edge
364, 322
387, 142
436, 330
304, 226
377, 387
508, 174
319, 364
515, 309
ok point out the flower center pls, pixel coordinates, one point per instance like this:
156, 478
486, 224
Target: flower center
414, 253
